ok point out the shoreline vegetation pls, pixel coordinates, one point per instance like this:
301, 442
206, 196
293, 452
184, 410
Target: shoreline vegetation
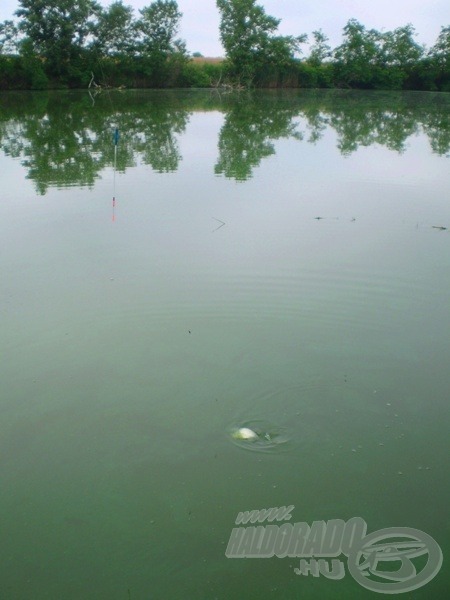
73, 44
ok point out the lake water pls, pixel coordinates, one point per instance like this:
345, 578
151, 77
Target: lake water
275, 261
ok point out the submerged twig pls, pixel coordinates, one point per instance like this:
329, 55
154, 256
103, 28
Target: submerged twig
219, 221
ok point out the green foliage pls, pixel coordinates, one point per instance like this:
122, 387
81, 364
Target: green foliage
33, 68
440, 52
370, 59
357, 57
439, 60
114, 30
203, 74
310, 76
8, 37
56, 30
194, 75
320, 50
62, 42
157, 28
11, 73
245, 29
399, 49
248, 36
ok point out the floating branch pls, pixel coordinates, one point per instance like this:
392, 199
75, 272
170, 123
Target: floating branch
222, 223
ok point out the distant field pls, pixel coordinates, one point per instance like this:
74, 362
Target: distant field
207, 59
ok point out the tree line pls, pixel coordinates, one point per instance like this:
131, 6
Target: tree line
77, 43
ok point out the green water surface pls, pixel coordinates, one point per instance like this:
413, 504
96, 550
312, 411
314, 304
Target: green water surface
276, 258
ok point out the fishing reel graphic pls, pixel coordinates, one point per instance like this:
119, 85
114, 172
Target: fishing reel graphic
383, 561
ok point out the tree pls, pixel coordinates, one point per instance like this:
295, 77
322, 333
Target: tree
320, 50
400, 49
56, 29
357, 58
158, 27
439, 59
399, 55
440, 52
8, 37
248, 36
373, 59
316, 71
114, 31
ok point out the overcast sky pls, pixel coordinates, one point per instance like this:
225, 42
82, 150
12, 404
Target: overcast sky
200, 22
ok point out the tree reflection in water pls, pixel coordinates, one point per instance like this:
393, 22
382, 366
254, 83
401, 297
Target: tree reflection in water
66, 139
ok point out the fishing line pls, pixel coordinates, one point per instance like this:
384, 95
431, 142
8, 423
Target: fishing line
116, 137
116, 134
